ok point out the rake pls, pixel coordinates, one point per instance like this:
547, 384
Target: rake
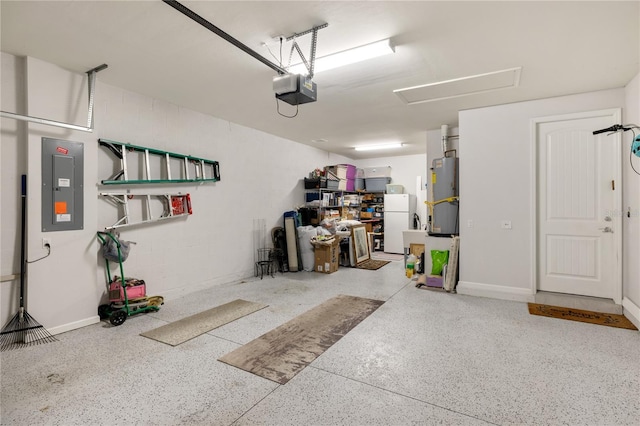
23, 330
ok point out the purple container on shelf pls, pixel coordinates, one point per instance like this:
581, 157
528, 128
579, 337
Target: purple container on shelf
351, 172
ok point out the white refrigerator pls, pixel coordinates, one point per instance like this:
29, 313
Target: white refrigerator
398, 216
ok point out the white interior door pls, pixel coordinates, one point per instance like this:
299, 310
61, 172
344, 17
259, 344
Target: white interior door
578, 211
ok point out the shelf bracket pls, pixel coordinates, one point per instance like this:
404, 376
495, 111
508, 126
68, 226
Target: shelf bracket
89, 128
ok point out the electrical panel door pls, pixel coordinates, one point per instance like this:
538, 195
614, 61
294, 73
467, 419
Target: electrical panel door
62, 185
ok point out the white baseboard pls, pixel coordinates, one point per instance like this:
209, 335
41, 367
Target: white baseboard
73, 325
631, 311
495, 291
170, 295
176, 293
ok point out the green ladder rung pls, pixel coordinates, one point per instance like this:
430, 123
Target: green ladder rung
119, 150
139, 148
138, 181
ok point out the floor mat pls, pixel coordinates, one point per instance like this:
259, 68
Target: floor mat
611, 320
372, 264
284, 351
187, 328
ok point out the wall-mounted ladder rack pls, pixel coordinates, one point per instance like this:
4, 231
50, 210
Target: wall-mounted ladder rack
192, 169
169, 206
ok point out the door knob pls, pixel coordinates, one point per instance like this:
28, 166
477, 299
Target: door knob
606, 229
607, 218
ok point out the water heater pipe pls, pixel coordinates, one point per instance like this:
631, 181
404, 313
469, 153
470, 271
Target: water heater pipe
444, 130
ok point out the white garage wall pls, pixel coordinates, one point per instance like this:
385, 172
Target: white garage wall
495, 184
13, 164
261, 179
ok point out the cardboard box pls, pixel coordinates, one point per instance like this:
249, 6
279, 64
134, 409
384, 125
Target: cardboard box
327, 256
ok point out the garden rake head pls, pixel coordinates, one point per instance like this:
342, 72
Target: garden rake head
21, 331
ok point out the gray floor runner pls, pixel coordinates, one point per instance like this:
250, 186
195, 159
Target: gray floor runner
187, 328
284, 351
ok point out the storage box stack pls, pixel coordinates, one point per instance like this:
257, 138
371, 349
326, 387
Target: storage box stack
359, 180
333, 182
346, 174
377, 178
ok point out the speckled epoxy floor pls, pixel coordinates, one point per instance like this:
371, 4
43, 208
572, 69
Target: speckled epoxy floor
424, 357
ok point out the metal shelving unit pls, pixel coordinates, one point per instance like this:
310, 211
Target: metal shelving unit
334, 201
375, 223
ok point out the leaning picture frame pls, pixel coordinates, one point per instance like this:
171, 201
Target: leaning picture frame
359, 241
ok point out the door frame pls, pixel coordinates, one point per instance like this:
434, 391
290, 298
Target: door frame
616, 214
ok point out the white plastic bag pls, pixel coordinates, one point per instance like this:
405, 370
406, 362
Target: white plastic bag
305, 233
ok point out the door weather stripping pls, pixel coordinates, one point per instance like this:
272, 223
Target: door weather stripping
89, 128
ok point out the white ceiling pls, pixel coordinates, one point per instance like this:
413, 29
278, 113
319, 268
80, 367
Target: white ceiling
562, 47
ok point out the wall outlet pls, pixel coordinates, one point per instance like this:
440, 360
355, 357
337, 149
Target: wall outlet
470, 223
46, 242
505, 224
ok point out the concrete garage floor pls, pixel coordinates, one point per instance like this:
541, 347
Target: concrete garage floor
424, 357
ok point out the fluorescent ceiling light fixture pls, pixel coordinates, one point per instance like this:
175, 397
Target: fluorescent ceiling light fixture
448, 89
346, 57
379, 146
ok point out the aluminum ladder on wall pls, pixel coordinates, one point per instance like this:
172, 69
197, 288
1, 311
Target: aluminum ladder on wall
192, 169
170, 205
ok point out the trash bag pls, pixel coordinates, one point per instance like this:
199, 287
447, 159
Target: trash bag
110, 248
305, 233
439, 258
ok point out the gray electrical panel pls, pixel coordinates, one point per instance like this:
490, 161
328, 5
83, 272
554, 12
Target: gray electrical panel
62, 185
444, 180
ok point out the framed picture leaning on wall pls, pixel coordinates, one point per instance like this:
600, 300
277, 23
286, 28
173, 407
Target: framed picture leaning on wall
360, 246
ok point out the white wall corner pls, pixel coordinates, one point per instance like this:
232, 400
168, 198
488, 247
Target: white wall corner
73, 325
495, 291
631, 311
